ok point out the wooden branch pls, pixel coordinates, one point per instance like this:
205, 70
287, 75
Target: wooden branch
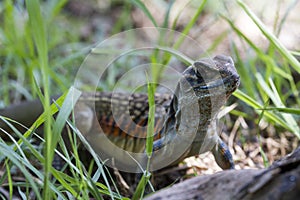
279, 181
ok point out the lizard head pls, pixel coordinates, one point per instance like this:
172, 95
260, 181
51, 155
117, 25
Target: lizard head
201, 92
217, 72
213, 75
208, 82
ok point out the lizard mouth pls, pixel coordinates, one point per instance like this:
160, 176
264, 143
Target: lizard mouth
232, 80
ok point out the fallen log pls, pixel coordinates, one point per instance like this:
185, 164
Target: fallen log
279, 181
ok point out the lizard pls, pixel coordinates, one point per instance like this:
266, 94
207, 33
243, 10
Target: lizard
186, 122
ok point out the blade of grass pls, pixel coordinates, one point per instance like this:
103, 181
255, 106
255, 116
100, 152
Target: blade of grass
139, 192
251, 102
217, 41
167, 15
189, 26
9, 179
151, 118
274, 96
244, 71
179, 55
64, 113
142, 6
54, 7
64, 181
271, 37
41, 119
263, 154
288, 118
173, 27
122, 21
38, 30
285, 110
291, 6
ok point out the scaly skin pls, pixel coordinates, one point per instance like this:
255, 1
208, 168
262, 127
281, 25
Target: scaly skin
186, 120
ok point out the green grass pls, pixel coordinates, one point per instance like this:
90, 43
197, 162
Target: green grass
38, 31
36, 60
271, 79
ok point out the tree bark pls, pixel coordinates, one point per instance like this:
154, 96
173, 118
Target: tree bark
279, 181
